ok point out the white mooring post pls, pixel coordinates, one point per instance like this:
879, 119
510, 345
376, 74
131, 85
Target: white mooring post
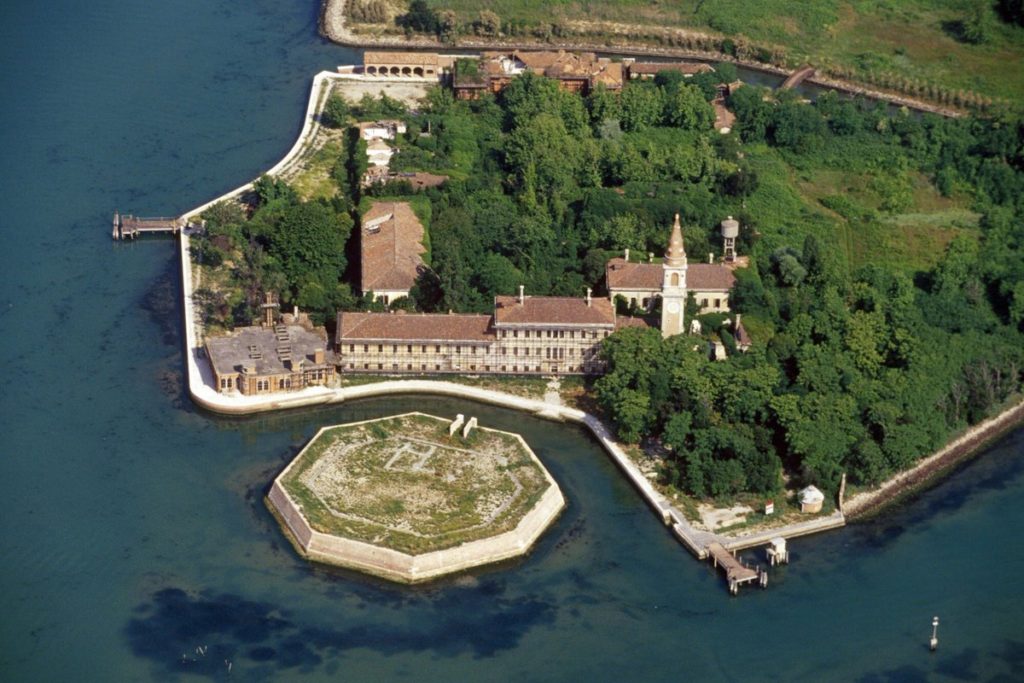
933, 644
456, 423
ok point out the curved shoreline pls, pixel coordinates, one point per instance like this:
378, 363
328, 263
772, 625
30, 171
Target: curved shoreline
333, 27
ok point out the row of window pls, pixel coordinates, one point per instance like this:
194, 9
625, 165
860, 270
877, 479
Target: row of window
312, 376
646, 303
550, 334
423, 367
474, 350
409, 348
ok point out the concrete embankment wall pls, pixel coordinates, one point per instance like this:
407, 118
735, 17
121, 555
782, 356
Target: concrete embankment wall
812, 526
310, 124
964, 446
405, 568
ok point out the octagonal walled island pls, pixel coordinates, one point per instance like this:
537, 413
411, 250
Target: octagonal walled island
414, 497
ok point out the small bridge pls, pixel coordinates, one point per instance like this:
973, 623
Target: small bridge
736, 573
798, 77
129, 226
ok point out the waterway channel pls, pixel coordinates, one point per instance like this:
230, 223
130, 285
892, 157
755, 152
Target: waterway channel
134, 544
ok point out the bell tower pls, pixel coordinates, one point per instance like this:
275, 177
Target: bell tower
673, 284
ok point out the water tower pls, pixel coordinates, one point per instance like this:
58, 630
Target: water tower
730, 230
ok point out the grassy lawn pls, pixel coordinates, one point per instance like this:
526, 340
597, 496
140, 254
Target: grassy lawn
313, 181
403, 483
911, 38
845, 209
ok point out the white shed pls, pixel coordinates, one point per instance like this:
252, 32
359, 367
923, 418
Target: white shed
811, 499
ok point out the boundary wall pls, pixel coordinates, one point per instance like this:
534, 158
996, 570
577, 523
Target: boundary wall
407, 568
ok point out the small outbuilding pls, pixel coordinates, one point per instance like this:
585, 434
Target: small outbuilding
811, 499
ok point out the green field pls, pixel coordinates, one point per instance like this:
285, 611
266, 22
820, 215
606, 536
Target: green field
913, 39
844, 208
403, 483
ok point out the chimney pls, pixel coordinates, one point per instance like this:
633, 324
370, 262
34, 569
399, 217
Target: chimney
522, 296
318, 356
711, 257
627, 254
588, 296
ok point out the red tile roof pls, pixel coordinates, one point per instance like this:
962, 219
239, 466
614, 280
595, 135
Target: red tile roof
652, 68
629, 321
384, 57
709, 277
648, 276
392, 242
561, 65
413, 327
621, 274
553, 310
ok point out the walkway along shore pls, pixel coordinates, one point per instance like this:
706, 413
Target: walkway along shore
334, 28
202, 390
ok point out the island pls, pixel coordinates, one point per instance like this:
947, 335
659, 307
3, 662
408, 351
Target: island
414, 497
774, 313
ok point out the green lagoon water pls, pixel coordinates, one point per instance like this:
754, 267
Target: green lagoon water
132, 529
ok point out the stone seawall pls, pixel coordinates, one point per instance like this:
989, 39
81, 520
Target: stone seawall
405, 568
961, 448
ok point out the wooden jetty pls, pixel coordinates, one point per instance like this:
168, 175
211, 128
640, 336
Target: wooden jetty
736, 573
798, 77
129, 226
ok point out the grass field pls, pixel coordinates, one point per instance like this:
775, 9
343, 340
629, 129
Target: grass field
845, 209
403, 483
911, 38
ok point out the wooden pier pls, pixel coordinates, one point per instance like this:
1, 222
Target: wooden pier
130, 227
736, 573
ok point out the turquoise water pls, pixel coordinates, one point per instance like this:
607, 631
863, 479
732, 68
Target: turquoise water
133, 530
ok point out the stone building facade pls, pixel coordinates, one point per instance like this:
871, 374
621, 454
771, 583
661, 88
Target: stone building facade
640, 284
578, 72
525, 335
270, 359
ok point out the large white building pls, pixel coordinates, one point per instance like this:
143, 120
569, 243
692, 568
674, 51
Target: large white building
535, 335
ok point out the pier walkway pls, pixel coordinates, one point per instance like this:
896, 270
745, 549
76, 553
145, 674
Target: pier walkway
129, 226
736, 573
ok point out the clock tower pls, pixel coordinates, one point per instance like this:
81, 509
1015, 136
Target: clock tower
673, 285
